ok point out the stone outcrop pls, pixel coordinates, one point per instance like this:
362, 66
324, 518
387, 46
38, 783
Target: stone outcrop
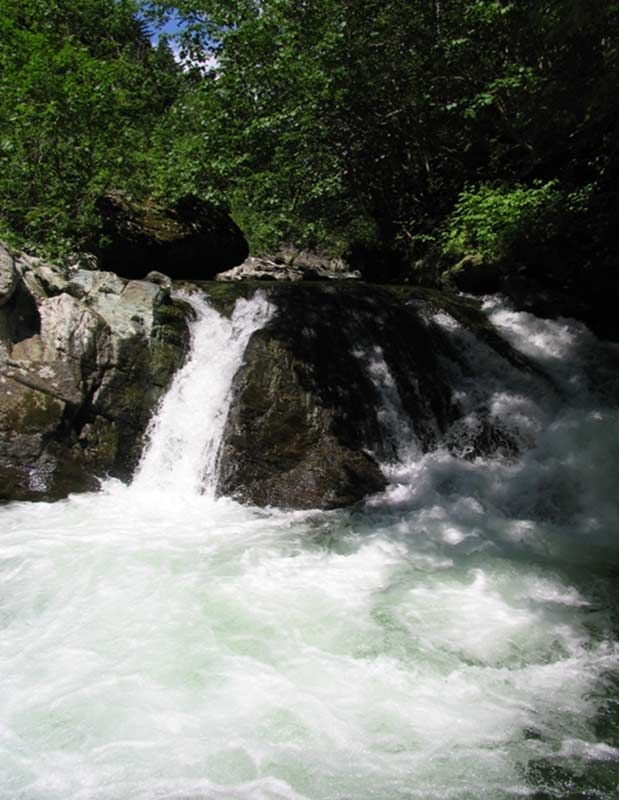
8, 276
290, 265
317, 405
84, 358
192, 239
309, 421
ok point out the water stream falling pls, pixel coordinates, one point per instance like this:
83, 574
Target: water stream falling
453, 639
184, 436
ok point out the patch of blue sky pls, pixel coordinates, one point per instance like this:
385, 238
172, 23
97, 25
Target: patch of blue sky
169, 28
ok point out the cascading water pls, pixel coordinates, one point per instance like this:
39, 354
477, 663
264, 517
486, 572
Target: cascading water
184, 436
455, 639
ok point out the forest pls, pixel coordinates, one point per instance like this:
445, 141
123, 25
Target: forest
403, 135
338, 520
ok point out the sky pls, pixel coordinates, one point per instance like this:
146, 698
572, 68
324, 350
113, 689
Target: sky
170, 28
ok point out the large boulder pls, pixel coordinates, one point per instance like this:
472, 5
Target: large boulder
307, 427
84, 358
282, 445
192, 239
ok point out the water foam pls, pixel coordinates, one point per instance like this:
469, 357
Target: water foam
454, 639
185, 434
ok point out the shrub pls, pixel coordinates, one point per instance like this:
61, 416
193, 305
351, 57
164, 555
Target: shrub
498, 222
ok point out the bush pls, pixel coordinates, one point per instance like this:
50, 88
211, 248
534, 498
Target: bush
499, 222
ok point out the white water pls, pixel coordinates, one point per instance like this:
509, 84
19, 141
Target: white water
184, 436
452, 640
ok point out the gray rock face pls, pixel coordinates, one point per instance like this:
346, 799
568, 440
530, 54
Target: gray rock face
8, 276
289, 265
84, 357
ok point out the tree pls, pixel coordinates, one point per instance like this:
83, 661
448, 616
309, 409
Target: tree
80, 89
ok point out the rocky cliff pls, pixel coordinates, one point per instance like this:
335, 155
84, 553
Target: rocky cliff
340, 379
84, 358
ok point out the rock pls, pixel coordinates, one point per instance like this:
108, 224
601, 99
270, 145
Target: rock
8, 276
305, 428
19, 319
27, 267
70, 331
84, 358
27, 411
61, 379
27, 350
281, 446
85, 283
547, 287
53, 278
340, 380
191, 240
28, 420
318, 261
81, 261
160, 279
288, 265
473, 274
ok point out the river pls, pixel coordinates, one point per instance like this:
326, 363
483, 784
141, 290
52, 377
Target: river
453, 637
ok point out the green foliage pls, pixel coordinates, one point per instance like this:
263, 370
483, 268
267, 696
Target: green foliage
80, 89
324, 123
493, 221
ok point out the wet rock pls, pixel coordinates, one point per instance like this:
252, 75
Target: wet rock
547, 287
29, 419
191, 240
84, 358
306, 427
281, 445
343, 380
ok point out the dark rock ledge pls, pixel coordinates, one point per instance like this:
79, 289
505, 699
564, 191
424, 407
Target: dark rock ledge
306, 427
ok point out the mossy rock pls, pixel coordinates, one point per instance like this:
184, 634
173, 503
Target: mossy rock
24, 410
280, 447
192, 239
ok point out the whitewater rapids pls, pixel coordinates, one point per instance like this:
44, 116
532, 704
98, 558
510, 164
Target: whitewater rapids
455, 637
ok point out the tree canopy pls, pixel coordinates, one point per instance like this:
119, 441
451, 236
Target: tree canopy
385, 130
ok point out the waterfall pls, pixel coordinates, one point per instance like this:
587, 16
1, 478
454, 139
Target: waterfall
185, 434
397, 428
531, 461
454, 637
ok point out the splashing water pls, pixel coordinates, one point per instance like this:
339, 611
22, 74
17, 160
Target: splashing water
184, 436
454, 639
